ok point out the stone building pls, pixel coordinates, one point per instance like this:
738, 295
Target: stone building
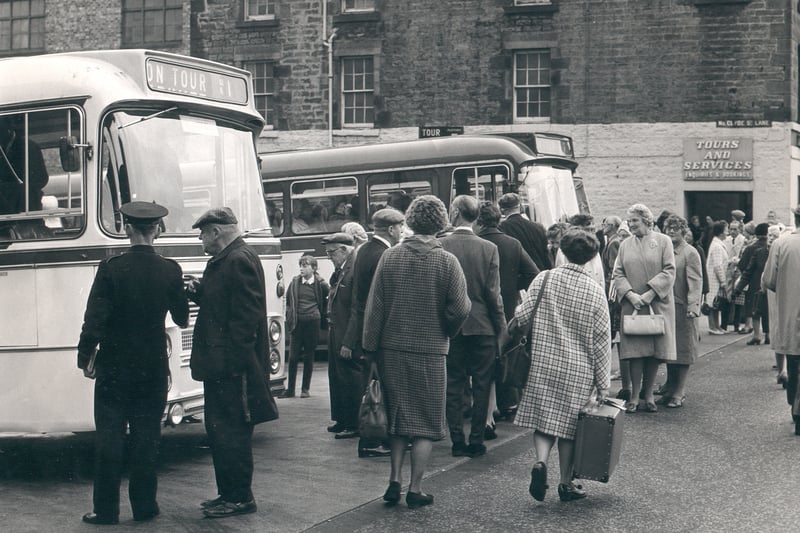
687, 105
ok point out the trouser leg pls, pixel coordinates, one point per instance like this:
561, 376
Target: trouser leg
145, 433
456, 379
481, 368
109, 420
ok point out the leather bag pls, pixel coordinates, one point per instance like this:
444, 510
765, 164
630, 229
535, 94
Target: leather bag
637, 324
372, 420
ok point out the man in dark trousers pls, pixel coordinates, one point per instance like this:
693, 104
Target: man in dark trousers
125, 314
517, 270
228, 357
388, 224
344, 366
473, 351
531, 235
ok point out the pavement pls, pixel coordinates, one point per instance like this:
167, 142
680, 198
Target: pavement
681, 470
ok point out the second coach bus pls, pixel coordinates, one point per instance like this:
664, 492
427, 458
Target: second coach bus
83, 133
313, 193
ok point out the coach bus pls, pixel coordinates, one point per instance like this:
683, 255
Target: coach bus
83, 133
312, 193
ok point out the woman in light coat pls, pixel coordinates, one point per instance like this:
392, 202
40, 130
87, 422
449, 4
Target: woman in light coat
717, 267
644, 274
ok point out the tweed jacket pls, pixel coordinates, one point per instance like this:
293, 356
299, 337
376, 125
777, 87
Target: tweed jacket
517, 269
418, 299
531, 235
480, 262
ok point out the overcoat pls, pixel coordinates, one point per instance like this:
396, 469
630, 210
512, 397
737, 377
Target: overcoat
531, 235
780, 275
717, 268
517, 269
688, 292
645, 263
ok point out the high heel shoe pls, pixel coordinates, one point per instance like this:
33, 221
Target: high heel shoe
753, 342
568, 492
538, 486
418, 499
392, 494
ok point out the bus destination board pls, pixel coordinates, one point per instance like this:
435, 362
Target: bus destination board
171, 78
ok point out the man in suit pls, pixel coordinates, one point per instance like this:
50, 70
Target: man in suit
531, 235
473, 351
388, 224
228, 357
345, 365
517, 270
125, 314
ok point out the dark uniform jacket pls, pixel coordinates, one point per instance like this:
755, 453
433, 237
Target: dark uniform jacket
517, 269
230, 332
340, 302
125, 314
531, 235
363, 271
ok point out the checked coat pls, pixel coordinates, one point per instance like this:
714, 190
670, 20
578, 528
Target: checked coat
570, 347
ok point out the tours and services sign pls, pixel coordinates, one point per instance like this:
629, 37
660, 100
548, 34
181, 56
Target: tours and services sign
717, 158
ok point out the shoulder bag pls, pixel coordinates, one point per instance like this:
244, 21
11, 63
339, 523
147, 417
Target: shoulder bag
637, 324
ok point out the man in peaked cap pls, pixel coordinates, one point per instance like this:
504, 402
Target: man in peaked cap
344, 367
228, 357
125, 314
737, 214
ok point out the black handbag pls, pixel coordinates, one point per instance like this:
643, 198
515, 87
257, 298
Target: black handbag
515, 359
372, 420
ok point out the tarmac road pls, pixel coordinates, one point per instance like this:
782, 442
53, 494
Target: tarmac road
726, 461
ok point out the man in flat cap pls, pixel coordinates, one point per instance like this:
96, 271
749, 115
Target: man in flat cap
388, 224
531, 235
344, 370
125, 314
780, 276
737, 214
228, 357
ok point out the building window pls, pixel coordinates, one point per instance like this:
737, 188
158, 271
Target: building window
151, 21
531, 85
532, 2
357, 91
21, 24
259, 9
349, 6
263, 88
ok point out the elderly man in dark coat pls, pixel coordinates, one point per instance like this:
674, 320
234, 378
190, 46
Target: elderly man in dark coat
227, 356
473, 351
531, 235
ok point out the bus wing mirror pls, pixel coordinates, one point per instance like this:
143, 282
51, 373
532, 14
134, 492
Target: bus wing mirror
68, 151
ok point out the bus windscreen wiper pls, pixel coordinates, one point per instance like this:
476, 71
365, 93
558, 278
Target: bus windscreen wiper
148, 117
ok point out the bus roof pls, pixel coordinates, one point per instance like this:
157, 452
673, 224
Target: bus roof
403, 154
106, 76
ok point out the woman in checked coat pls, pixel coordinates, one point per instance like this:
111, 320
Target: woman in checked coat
417, 302
571, 347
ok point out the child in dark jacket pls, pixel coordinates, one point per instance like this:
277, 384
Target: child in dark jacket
306, 304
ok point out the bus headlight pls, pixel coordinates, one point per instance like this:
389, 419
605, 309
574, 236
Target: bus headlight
279, 272
274, 361
275, 331
279, 289
175, 415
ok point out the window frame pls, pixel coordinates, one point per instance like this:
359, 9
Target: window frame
270, 6
142, 11
29, 31
369, 93
497, 187
324, 227
356, 8
525, 3
269, 113
540, 52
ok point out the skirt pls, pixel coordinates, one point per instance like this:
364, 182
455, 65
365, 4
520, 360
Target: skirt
687, 337
415, 386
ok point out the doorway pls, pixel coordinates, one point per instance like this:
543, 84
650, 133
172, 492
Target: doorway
718, 204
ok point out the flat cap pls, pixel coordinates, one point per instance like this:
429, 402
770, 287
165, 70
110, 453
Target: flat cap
384, 218
737, 213
217, 215
143, 212
508, 201
338, 238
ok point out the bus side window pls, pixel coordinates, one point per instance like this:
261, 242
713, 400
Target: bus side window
396, 190
273, 200
323, 206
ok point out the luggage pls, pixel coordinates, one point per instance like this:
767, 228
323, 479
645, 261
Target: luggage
598, 441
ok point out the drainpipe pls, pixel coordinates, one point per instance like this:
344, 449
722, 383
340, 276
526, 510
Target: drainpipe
329, 45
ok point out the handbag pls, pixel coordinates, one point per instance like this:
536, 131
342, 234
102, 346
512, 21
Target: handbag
637, 324
720, 300
372, 420
515, 359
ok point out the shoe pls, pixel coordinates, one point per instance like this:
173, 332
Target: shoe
226, 509
489, 433
508, 413
716, 332
754, 342
93, 518
631, 407
538, 487
286, 394
380, 451
143, 517
766, 339
745, 331
476, 450
346, 434
336, 427
459, 449
418, 499
212, 503
624, 394
649, 407
568, 492
305, 394
392, 494
676, 402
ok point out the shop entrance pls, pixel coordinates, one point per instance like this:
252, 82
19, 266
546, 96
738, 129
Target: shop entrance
718, 204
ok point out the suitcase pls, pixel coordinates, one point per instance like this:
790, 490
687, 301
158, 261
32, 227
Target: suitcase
598, 441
